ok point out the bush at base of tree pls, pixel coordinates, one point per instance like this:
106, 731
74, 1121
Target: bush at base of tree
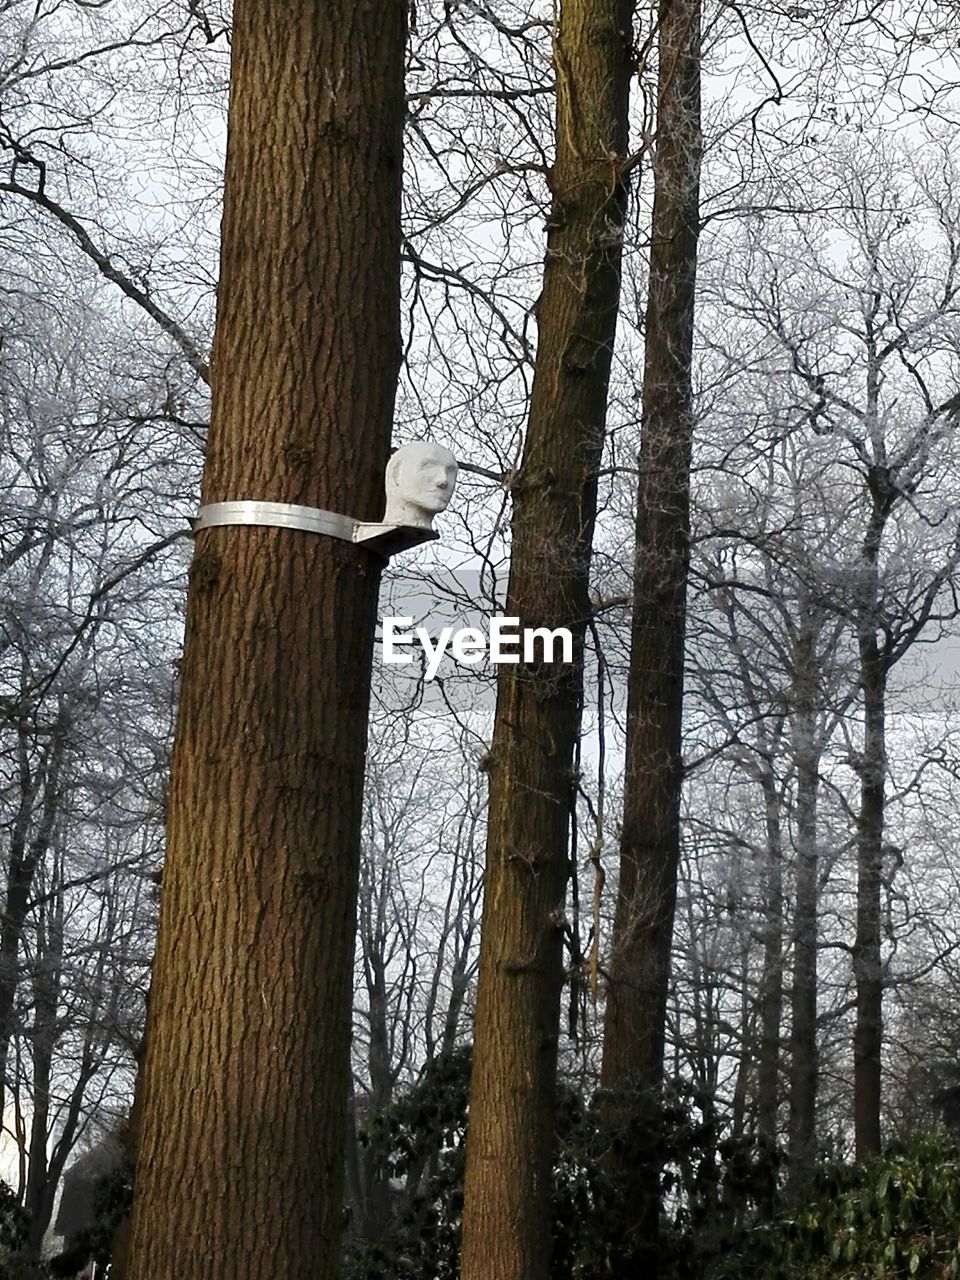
891, 1218
713, 1185
894, 1218
14, 1235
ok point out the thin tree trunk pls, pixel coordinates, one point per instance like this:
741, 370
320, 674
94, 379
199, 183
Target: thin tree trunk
26, 855
804, 1055
241, 1154
632, 1069
39, 1196
741, 1089
129, 1142
376, 1181
868, 1033
771, 980
46, 1170
507, 1192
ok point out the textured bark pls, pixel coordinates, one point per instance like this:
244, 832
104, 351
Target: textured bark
632, 1065
507, 1195
240, 1163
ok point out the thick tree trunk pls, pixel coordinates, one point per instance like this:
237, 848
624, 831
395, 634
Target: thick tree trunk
632, 1067
241, 1153
507, 1194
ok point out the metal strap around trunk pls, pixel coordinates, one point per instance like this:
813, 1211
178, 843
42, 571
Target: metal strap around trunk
282, 515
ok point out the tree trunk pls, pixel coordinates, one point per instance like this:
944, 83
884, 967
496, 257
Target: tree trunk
374, 1219
241, 1152
632, 1068
741, 1089
771, 980
868, 1033
25, 857
507, 1193
129, 1142
45, 1170
40, 1190
882, 494
804, 1056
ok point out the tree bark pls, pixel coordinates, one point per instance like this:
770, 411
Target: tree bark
27, 852
632, 1067
40, 1189
129, 1142
770, 998
242, 1134
507, 1193
868, 1033
868, 973
374, 1203
804, 1053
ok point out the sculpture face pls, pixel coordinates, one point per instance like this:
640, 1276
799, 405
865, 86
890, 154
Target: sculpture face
420, 481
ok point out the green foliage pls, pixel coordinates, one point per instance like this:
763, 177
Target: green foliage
14, 1233
716, 1187
419, 1143
895, 1218
112, 1202
711, 1183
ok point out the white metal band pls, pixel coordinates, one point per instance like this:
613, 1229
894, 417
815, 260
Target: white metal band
384, 539
283, 515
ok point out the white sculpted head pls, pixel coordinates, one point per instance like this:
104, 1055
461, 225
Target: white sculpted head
420, 479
